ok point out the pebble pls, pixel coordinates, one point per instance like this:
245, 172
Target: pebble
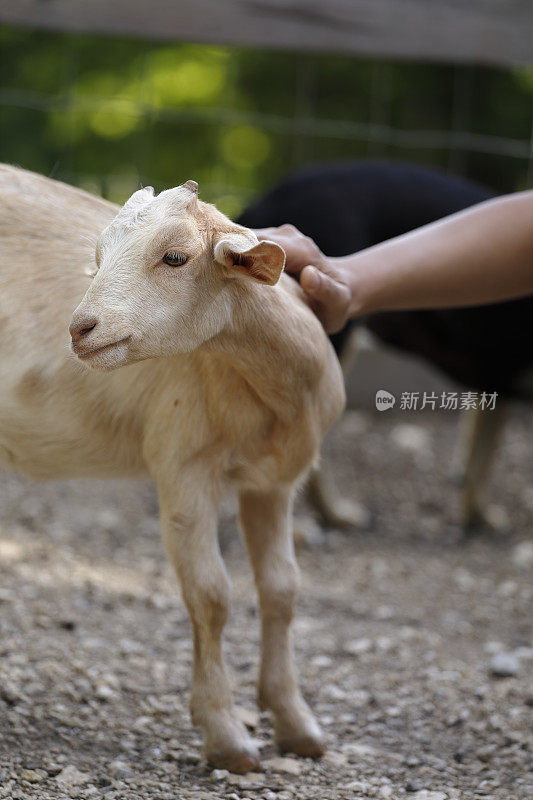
9, 695
358, 646
335, 759
141, 723
425, 794
357, 786
33, 775
119, 769
129, 647
493, 646
504, 665
411, 438
334, 692
413, 786
105, 692
322, 661
291, 766
219, 774
523, 555
356, 750
485, 753
189, 757
109, 519
252, 780
72, 776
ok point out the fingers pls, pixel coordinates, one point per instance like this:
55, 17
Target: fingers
311, 281
286, 230
328, 298
325, 287
299, 249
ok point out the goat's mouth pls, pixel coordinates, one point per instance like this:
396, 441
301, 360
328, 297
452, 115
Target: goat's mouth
95, 351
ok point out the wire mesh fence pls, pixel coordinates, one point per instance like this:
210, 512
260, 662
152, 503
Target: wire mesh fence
110, 114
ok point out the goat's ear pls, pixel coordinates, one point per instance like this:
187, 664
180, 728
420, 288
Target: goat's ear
262, 262
137, 201
140, 197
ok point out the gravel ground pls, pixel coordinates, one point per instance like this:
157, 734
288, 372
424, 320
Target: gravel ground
399, 631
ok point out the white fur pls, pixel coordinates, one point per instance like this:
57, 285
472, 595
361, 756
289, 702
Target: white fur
226, 381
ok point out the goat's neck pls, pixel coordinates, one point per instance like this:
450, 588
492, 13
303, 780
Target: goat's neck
273, 343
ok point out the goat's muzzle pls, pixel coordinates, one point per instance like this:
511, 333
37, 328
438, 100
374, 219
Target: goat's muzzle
80, 329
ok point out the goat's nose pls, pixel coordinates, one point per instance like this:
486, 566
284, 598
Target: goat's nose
78, 330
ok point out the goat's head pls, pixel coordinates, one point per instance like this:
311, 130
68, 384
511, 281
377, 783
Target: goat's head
166, 273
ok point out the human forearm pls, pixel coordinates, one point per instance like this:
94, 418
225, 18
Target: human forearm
481, 255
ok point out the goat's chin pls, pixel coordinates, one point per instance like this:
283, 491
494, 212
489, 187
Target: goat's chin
109, 359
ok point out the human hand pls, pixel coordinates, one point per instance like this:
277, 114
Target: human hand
323, 280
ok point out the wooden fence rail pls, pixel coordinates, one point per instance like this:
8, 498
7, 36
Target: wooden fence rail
470, 31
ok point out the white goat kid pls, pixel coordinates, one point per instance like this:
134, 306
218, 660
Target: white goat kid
234, 384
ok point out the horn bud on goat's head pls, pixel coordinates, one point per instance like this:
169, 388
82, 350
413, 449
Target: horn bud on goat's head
192, 185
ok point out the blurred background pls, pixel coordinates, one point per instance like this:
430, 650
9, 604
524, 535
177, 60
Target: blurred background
112, 97
109, 113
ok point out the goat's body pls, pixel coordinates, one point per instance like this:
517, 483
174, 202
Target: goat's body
59, 419
246, 408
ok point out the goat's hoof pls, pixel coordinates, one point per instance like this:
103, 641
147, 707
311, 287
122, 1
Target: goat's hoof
307, 533
493, 520
307, 746
475, 526
239, 761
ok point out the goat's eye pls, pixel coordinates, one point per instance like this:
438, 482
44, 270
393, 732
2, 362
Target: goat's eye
174, 259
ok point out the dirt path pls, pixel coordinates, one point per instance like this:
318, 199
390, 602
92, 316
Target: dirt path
396, 630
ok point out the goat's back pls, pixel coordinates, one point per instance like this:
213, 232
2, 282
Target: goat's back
57, 419
48, 232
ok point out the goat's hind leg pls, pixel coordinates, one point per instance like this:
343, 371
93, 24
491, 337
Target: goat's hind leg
189, 526
266, 519
336, 510
486, 427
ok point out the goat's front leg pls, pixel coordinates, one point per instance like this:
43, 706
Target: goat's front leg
189, 526
266, 519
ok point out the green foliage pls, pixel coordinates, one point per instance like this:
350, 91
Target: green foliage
110, 114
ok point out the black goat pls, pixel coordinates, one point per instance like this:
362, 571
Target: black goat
351, 206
